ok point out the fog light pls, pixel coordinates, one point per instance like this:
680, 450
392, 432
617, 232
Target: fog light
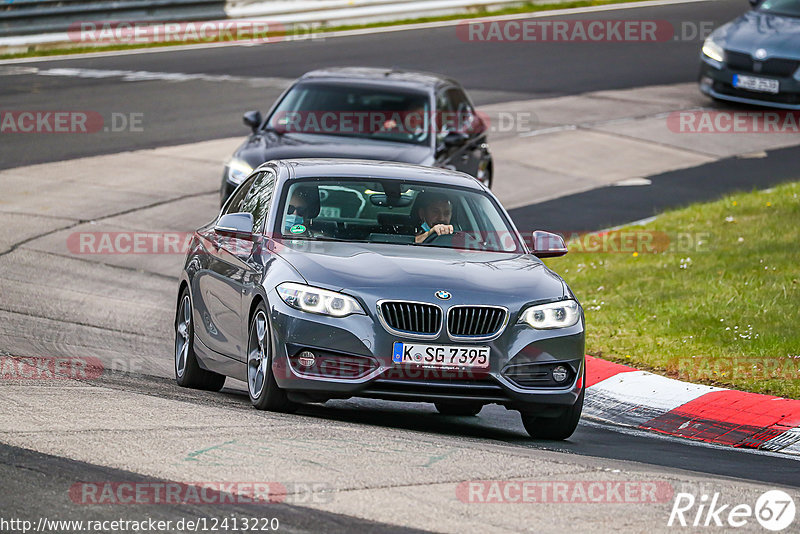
306, 358
560, 373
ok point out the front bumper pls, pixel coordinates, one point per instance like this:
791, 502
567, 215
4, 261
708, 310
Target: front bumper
363, 340
716, 80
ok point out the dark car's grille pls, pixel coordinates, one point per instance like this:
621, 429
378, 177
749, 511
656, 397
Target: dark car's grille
771, 67
475, 321
412, 317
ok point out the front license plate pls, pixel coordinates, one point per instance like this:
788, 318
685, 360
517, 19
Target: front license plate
441, 355
754, 83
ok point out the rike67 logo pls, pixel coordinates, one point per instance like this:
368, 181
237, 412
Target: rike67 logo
774, 510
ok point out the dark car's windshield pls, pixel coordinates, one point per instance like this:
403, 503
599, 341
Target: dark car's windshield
354, 111
790, 8
394, 212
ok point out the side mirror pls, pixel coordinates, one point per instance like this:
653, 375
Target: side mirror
547, 245
235, 224
452, 139
252, 119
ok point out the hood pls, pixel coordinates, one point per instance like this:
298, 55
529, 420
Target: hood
264, 147
778, 35
417, 272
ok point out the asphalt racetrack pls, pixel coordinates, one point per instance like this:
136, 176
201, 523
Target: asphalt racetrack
373, 466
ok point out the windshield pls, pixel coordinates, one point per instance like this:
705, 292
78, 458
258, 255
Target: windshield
354, 111
397, 213
790, 8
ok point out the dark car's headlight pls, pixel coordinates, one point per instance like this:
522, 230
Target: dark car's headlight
237, 171
552, 315
713, 50
316, 300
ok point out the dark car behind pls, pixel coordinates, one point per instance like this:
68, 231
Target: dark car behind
755, 59
367, 113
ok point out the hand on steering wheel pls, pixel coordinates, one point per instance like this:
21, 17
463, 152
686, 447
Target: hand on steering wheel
438, 230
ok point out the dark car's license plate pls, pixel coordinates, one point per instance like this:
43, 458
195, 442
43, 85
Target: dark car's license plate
754, 83
441, 355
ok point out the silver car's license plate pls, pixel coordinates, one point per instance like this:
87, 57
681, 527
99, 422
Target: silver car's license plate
441, 355
754, 83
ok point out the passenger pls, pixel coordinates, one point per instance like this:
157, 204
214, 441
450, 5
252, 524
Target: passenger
434, 211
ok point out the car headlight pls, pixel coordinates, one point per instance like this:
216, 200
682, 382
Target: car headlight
316, 300
552, 315
713, 50
238, 170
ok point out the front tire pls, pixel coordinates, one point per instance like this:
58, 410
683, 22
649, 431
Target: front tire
264, 391
555, 428
188, 373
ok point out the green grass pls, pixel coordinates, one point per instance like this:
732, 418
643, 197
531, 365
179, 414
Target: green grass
527, 7
720, 305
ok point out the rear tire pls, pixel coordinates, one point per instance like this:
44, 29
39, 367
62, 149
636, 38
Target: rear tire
188, 373
446, 408
555, 428
261, 385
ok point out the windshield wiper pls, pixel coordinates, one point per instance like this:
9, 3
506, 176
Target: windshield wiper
318, 238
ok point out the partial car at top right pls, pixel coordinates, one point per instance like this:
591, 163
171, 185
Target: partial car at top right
755, 59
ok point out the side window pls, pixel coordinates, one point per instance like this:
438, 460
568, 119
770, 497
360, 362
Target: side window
444, 113
463, 114
235, 204
259, 197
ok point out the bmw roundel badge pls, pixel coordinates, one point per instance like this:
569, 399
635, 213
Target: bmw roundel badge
442, 295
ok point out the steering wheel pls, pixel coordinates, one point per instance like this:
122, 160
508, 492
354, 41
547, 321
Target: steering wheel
446, 239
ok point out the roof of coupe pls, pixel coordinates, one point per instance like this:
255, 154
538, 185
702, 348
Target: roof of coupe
384, 170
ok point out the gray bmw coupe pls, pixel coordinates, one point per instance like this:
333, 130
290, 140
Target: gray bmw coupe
328, 279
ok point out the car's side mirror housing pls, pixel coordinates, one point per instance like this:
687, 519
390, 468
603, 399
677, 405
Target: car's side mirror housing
453, 139
235, 224
252, 119
548, 245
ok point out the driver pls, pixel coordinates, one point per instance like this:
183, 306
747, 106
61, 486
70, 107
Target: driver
435, 211
296, 210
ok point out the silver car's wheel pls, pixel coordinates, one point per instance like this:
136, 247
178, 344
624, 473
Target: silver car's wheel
258, 356
264, 391
188, 372
182, 335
